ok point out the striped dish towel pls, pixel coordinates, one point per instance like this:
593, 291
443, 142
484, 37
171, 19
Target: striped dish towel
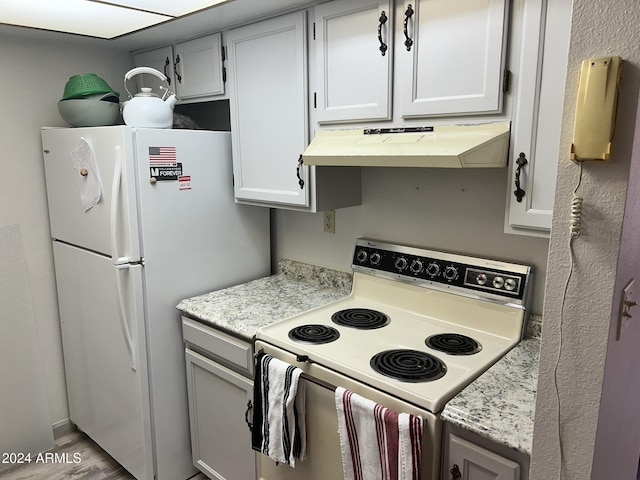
278, 410
377, 443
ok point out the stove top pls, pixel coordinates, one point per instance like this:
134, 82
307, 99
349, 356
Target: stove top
417, 336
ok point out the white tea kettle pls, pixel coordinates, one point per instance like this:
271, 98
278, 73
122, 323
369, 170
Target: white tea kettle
146, 109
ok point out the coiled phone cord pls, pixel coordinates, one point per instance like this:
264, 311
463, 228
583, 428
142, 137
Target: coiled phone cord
575, 225
575, 219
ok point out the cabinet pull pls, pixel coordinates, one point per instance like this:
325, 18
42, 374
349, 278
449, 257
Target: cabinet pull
246, 415
167, 62
407, 15
383, 46
455, 473
521, 162
298, 169
175, 69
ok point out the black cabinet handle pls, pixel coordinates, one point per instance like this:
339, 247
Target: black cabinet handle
167, 62
298, 170
383, 46
246, 415
521, 162
407, 15
455, 473
175, 69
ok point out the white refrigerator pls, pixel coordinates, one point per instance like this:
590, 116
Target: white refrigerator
140, 219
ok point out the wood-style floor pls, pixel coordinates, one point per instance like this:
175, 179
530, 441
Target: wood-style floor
95, 463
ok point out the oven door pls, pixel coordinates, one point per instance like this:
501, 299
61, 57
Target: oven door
324, 458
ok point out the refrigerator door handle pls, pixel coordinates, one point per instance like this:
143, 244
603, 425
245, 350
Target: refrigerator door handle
116, 192
124, 320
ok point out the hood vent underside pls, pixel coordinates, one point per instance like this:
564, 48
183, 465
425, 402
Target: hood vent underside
440, 146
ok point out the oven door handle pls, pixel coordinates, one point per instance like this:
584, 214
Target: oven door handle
246, 415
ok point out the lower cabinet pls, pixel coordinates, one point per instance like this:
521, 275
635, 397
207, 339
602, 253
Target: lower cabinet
470, 457
218, 398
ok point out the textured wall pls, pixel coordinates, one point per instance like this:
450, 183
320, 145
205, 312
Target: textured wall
576, 339
442, 209
35, 76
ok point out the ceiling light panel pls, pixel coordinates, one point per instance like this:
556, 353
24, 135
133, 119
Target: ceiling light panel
175, 8
77, 16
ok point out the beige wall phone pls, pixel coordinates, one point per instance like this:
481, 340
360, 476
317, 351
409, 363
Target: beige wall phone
596, 109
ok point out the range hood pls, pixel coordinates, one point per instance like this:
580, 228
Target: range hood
439, 146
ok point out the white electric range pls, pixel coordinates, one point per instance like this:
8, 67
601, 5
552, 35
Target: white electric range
418, 327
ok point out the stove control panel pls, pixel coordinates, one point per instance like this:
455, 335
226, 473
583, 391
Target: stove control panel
442, 270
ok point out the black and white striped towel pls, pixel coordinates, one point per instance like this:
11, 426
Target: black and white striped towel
278, 410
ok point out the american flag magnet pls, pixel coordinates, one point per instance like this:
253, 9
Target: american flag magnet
162, 156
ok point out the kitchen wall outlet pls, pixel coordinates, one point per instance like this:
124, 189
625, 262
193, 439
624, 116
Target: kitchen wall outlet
627, 301
329, 221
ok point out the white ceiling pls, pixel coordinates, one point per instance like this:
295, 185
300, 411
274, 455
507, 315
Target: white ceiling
134, 24
97, 18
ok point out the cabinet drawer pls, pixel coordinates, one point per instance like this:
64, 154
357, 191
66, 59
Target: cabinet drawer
223, 346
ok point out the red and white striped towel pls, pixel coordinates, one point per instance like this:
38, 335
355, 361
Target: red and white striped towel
377, 443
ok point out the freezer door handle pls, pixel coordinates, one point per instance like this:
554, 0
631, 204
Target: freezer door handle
116, 191
124, 319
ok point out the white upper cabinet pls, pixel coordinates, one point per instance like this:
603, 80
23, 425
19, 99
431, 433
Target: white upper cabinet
194, 68
268, 100
354, 53
537, 119
162, 60
453, 56
449, 59
268, 110
198, 67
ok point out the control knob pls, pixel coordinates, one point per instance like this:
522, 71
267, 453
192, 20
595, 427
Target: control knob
375, 258
416, 266
433, 269
481, 279
401, 263
361, 256
510, 284
498, 282
450, 273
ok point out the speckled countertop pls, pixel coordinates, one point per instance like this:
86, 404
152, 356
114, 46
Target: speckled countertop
500, 404
241, 310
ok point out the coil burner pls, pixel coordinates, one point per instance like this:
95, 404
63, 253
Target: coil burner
314, 334
360, 318
408, 365
453, 344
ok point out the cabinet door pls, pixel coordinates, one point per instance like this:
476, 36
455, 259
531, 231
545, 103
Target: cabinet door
354, 53
268, 110
198, 67
162, 60
453, 59
476, 463
537, 121
220, 438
